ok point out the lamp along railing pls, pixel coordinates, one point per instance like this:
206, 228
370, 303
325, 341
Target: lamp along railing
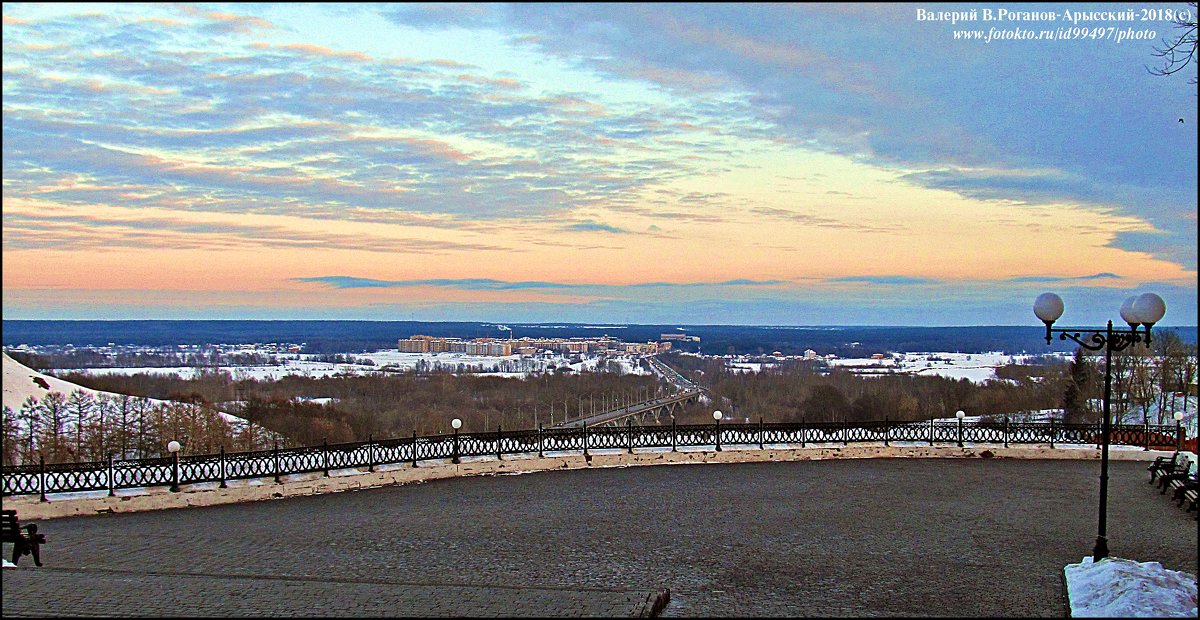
49, 478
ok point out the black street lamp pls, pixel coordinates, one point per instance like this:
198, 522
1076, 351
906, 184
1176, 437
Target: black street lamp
1145, 310
457, 424
1178, 431
960, 414
173, 448
717, 431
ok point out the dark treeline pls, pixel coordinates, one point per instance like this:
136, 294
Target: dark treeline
810, 390
353, 408
362, 336
151, 358
1144, 386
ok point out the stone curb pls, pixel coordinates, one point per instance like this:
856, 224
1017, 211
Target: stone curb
295, 485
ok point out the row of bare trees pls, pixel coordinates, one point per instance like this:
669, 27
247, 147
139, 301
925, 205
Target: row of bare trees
81, 426
310, 409
1147, 384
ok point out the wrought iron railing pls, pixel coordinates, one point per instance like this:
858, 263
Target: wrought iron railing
45, 478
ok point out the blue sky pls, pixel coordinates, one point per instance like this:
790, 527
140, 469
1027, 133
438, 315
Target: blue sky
696, 163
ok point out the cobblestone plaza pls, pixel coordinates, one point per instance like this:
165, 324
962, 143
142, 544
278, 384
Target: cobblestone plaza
872, 537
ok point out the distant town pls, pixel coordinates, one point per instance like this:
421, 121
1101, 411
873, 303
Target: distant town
536, 346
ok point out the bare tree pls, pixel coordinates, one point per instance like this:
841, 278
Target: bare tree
1178, 53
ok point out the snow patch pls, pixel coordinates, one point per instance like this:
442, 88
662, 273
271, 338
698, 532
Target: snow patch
1120, 588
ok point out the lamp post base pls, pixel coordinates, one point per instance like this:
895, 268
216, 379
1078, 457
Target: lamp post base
1101, 550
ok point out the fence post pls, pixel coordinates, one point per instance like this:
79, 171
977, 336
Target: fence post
585, 452
673, 434
276, 459
499, 442
803, 431
111, 492
629, 429
887, 432
1006, 431
1052, 432
222, 467
760, 433
930, 432
845, 432
540, 451
1146, 432
42, 476
371, 452
414, 448
325, 456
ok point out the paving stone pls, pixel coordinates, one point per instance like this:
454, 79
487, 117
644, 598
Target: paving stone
890, 537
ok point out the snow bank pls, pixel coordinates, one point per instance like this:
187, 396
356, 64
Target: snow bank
1120, 588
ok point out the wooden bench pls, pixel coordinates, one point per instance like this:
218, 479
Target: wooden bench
23, 543
1178, 475
1181, 491
1167, 465
1189, 492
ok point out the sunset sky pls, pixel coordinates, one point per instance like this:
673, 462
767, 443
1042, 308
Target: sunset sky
644, 163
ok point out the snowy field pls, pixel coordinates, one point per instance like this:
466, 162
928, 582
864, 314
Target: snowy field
391, 360
976, 367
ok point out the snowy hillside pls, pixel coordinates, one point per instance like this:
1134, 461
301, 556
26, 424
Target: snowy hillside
21, 382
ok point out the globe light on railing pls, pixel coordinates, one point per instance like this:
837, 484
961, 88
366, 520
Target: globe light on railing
1144, 310
960, 414
455, 424
1048, 307
1149, 309
173, 448
1178, 431
717, 432
1128, 314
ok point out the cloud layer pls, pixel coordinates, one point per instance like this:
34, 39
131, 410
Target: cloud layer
681, 159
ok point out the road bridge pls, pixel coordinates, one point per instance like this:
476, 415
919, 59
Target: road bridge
654, 408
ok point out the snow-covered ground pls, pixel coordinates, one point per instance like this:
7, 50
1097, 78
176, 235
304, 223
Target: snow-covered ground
391, 360
22, 382
1121, 588
976, 367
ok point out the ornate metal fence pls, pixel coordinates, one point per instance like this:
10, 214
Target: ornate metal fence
110, 475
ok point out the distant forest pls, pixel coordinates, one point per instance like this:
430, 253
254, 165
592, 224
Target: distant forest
365, 336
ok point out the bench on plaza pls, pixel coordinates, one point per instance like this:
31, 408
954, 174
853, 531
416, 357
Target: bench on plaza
1188, 492
1173, 479
1185, 486
24, 543
1167, 465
